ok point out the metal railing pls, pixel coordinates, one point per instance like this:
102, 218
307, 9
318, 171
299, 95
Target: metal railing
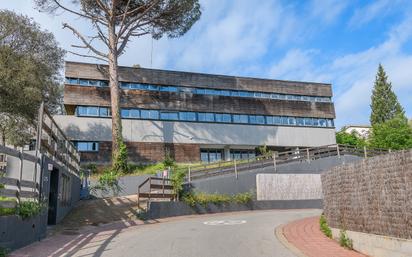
278, 158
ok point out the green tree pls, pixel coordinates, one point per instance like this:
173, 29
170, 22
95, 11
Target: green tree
392, 134
30, 64
384, 105
115, 23
349, 139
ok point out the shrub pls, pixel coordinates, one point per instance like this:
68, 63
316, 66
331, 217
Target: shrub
177, 179
1, 186
324, 227
203, 198
7, 211
108, 181
3, 252
344, 240
29, 209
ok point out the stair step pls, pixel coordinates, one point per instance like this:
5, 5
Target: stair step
156, 195
159, 186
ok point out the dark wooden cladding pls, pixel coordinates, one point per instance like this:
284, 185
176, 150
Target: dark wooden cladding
92, 96
190, 79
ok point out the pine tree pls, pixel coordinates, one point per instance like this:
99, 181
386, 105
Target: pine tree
385, 105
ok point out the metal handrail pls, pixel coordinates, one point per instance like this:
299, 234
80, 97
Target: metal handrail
308, 154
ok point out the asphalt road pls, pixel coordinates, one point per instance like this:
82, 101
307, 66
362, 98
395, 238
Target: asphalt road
243, 234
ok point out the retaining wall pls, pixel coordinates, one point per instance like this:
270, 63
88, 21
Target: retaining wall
371, 196
169, 209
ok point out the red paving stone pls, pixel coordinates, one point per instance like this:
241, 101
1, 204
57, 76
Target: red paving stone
305, 235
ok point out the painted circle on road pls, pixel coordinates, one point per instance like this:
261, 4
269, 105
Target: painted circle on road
224, 222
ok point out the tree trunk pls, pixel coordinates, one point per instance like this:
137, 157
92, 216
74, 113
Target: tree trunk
117, 137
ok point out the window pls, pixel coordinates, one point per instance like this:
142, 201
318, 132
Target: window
240, 118
322, 123
277, 120
188, 116
284, 121
330, 123
149, 114
87, 146
83, 82
168, 89
211, 155
225, 93
103, 112
299, 121
242, 154
199, 91
308, 122
256, 119
104, 83
205, 116
125, 113
274, 96
282, 97
82, 111
94, 83
153, 87
292, 121
134, 113
234, 93
169, 116
269, 120
246, 94
226, 118
72, 81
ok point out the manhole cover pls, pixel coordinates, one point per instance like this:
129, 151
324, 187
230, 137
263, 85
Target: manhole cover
224, 222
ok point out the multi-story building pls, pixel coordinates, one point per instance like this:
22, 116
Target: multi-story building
193, 117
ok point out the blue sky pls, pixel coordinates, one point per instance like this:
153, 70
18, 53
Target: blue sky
333, 41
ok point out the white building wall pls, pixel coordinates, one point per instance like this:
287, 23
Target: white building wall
99, 129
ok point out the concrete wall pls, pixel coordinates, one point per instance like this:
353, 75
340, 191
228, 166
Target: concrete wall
288, 186
372, 196
99, 129
376, 245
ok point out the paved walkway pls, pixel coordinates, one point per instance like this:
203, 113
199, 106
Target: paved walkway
240, 234
305, 235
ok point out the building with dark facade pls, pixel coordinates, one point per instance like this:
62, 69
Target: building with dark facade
193, 117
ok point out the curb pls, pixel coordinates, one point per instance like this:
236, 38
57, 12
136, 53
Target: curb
285, 242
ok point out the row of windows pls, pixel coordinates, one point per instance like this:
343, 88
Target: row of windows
202, 91
214, 155
87, 146
206, 117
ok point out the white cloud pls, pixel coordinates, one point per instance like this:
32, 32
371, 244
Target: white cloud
377, 9
327, 10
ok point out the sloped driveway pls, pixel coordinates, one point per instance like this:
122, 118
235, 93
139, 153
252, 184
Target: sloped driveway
241, 234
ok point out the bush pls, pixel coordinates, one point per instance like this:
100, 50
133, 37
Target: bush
29, 209
120, 159
204, 199
344, 240
324, 227
177, 179
3, 252
108, 181
7, 211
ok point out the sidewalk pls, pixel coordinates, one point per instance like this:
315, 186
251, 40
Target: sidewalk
305, 235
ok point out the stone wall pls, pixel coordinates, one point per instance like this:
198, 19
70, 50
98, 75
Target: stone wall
371, 196
288, 186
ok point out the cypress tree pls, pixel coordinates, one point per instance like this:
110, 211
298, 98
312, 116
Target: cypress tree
384, 105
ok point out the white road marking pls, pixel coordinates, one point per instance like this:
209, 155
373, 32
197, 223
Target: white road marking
224, 222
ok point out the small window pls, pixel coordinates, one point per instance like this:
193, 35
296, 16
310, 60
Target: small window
277, 120
257, 94
87, 146
168, 89
135, 86
322, 123
134, 113
149, 114
93, 83
289, 97
284, 121
256, 119
240, 118
226, 118
282, 97
153, 87
330, 123
103, 112
299, 121
169, 116
83, 82
207, 117
104, 83
72, 81
82, 111
92, 111
225, 93
187, 116
234, 93
125, 113
265, 95
269, 120
308, 122
315, 122
200, 91
292, 121
274, 96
